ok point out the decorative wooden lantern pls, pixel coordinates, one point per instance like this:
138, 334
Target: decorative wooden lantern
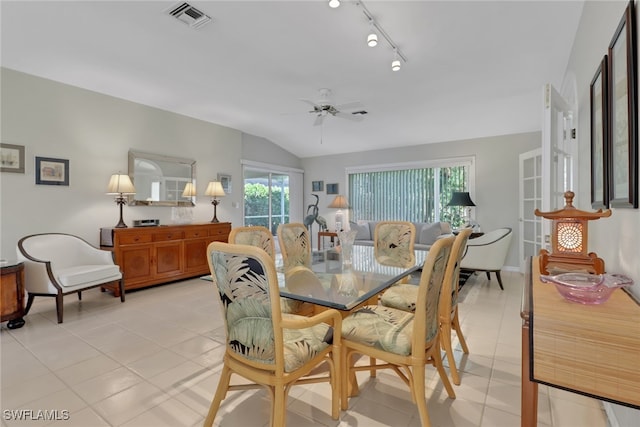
569, 237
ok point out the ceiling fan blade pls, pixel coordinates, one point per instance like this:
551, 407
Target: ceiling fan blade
355, 105
349, 116
319, 119
308, 101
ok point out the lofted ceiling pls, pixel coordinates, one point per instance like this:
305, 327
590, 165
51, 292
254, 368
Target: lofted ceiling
474, 68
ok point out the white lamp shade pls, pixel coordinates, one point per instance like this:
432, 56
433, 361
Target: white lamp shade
340, 202
120, 184
214, 189
189, 190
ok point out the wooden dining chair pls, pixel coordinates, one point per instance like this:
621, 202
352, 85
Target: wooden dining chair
261, 237
405, 342
404, 297
263, 345
295, 245
254, 235
393, 243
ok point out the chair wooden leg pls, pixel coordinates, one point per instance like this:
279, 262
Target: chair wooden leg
79, 295
344, 379
121, 286
59, 306
418, 373
499, 279
29, 302
455, 322
372, 371
437, 361
445, 339
279, 410
336, 378
488, 275
221, 392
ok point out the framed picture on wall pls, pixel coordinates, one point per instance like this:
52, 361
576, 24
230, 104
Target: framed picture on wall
225, 180
332, 188
51, 171
11, 158
599, 138
623, 102
317, 185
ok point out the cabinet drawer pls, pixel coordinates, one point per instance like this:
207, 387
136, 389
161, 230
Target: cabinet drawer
133, 239
218, 231
195, 233
168, 235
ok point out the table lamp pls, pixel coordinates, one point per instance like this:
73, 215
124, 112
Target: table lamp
339, 202
462, 198
214, 189
120, 185
569, 238
189, 190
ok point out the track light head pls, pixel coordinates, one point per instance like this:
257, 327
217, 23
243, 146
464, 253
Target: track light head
334, 3
372, 40
395, 65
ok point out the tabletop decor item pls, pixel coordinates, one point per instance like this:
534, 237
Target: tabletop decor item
569, 232
587, 288
347, 239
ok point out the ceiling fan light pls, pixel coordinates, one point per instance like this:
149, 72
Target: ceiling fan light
395, 65
334, 3
372, 40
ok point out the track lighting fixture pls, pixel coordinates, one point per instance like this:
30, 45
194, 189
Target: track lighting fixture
395, 64
334, 3
372, 38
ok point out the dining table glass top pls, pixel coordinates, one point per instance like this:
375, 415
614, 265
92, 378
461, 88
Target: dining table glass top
331, 283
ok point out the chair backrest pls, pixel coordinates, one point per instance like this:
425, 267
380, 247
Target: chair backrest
247, 284
295, 245
254, 235
393, 243
449, 295
488, 251
426, 322
61, 250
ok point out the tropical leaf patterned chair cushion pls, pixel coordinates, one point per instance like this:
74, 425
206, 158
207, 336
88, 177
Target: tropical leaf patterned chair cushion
381, 327
393, 243
294, 244
244, 294
254, 236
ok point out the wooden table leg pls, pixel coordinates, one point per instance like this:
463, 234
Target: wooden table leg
529, 402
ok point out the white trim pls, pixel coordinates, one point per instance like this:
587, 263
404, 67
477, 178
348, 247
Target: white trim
270, 167
611, 414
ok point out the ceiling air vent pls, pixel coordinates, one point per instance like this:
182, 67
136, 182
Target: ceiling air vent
188, 14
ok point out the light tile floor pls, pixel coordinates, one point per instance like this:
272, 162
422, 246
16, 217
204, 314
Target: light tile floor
155, 361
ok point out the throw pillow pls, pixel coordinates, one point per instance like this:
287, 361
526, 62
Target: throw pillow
362, 229
430, 233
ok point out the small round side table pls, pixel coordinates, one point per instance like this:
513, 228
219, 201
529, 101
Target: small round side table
12, 293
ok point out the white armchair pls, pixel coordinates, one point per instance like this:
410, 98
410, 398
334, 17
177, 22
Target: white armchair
57, 264
488, 253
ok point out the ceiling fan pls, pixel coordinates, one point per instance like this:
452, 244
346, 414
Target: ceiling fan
324, 107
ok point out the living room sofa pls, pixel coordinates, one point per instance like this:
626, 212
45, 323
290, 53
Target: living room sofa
426, 233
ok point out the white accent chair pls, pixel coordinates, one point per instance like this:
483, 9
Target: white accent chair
488, 253
57, 264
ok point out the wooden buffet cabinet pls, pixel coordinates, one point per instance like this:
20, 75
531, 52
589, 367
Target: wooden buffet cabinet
152, 255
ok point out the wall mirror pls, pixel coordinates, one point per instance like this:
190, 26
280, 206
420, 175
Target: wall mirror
160, 180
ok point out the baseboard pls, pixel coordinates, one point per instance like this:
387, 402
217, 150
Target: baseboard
511, 268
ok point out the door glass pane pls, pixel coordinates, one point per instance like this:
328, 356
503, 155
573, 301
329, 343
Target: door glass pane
279, 201
266, 199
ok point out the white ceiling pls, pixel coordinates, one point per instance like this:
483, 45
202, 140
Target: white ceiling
475, 68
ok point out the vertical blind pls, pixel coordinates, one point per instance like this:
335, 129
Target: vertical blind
416, 195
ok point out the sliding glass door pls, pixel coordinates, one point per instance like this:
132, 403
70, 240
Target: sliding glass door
266, 198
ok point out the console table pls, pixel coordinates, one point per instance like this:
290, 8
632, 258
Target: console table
153, 255
586, 349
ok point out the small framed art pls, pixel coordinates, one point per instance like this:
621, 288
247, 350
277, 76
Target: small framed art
225, 180
599, 138
317, 185
51, 171
11, 158
332, 188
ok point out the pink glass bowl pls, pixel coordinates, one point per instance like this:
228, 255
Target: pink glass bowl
587, 288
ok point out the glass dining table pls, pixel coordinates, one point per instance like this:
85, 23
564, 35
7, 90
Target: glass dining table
344, 286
